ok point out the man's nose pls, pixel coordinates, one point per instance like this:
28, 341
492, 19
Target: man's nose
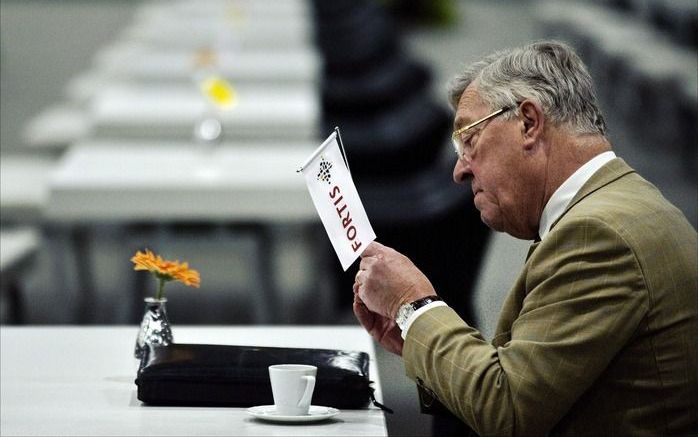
461, 171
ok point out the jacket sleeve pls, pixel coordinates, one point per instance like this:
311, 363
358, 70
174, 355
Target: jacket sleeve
584, 299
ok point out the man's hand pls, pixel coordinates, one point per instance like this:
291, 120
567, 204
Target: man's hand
387, 279
382, 329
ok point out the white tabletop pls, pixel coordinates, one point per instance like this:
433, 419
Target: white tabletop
144, 63
121, 182
57, 126
24, 186
240, 30
228, 9
80, 381
262, 112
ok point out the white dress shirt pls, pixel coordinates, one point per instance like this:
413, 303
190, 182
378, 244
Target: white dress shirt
553, 210
565, 193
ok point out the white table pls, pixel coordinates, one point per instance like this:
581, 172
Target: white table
239, 29
146, 64
59, 125
262, 112
140, 181
80, 381
227, 9
24, 187
137, 64
139, 92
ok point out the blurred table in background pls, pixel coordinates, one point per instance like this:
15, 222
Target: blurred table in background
18, 247
146, 83
145, 64
23, 187
152, 183
264, 112
80, 381
145, 151
121, 181
246, 25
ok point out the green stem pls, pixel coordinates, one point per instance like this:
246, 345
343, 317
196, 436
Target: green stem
161, 289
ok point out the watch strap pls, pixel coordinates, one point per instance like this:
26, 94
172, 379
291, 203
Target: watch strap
417, 304
406, 310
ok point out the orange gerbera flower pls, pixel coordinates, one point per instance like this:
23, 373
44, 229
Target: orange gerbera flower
165, 270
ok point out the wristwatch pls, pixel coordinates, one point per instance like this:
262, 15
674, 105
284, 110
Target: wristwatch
406, 310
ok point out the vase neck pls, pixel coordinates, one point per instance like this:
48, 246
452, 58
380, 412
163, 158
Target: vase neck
152, 300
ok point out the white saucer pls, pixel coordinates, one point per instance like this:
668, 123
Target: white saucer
315, 413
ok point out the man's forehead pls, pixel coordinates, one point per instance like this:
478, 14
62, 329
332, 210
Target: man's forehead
468, 105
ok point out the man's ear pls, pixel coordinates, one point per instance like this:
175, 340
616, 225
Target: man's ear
533, 121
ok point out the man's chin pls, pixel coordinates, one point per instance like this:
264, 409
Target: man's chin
489, 222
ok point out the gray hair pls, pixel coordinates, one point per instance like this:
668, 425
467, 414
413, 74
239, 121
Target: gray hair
548, 72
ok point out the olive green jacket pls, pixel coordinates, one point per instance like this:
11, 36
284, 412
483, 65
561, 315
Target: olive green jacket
599, 335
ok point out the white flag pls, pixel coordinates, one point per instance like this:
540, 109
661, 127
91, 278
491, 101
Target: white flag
337, 201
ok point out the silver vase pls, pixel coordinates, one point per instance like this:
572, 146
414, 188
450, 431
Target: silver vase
155, 327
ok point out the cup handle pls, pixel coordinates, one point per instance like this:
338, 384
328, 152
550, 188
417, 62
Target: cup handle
309, 387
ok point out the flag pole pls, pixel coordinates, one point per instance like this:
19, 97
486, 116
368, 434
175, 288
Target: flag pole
316, 153
341, 146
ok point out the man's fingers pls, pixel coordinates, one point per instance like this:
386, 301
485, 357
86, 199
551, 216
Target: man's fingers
372, 249
363, 314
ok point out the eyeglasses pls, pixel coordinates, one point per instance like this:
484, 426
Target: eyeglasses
461, 137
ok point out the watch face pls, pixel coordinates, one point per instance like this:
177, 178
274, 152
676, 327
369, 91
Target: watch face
403, 313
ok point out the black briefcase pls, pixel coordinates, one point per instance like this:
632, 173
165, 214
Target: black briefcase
238, 376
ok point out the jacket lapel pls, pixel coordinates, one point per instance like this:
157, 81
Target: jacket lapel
613, 170
511, 308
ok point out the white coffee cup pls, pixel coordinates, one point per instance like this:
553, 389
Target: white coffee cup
292, 386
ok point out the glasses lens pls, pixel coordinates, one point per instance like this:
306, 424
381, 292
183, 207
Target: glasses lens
457, 145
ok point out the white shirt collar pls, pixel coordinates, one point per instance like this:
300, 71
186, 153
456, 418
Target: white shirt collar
565, 193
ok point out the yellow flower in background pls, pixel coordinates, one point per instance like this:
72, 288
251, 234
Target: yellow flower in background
219, 92
165, 270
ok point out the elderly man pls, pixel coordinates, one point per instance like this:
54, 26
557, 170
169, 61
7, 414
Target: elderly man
598, 334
